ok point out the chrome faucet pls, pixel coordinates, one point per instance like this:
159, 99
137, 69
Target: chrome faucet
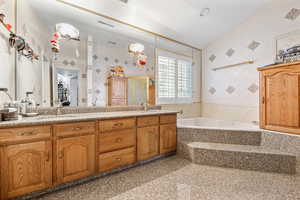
146, 106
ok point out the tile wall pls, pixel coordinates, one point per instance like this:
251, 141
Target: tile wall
233, 93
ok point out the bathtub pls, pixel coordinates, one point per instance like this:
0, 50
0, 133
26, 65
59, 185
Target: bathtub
215, 124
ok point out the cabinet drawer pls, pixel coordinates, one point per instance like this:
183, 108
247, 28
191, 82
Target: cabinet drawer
168, 119
15, 135
74, 128
108, 161
147, 121
111, 141
117, 124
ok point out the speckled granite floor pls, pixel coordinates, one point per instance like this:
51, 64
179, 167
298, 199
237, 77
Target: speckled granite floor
176, 178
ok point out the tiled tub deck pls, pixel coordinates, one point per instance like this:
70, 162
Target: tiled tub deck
237, 145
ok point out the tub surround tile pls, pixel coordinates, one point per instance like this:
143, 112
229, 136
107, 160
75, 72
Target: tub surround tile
230, 52
254, 45
231, 112
241, 157
293, 14
230, 89
212, 90
281, 142
259, 150
212, 58
253, 88
219, 136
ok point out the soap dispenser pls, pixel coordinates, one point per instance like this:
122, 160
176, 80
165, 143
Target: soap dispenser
27, 103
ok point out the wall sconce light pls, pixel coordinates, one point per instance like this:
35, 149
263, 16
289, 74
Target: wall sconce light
18, 42
64, 31
136, 48
68, 31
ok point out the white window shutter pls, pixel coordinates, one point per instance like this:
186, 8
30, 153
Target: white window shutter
174, 79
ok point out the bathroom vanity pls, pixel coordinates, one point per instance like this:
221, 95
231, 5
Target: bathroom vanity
47, 151
279, 97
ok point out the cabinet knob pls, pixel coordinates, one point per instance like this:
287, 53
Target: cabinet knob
77, 129
118, 159
61, 155
47, 156
118, 124
118, 140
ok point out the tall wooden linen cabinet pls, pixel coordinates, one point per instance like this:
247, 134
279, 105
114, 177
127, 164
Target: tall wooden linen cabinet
280, 97
117, 91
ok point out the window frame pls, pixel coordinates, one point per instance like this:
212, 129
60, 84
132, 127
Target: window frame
176, 99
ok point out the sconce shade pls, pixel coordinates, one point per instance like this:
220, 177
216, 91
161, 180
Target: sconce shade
68, 31
136, 48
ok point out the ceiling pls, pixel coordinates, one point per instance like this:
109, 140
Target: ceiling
179, 20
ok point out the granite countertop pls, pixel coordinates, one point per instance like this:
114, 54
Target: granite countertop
53, 119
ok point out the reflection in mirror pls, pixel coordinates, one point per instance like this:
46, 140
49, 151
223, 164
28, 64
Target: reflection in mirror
104, 44
138, 90
100, 48
67, 86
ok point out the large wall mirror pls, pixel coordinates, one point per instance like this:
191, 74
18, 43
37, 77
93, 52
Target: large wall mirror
91, 56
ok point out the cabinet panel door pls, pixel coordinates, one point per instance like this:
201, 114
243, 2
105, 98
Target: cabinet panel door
26, 168
282, 100
147, 142
119, 88
168, 138
75, 158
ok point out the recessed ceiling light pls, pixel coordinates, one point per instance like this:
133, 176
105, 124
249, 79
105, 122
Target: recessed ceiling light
106, 24
124, 1
204, 12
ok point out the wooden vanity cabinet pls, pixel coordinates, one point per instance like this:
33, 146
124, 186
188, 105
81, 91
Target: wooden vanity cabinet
39, 157
75, 151
116, 143
168, 133
26, 162
147, 137
280, 98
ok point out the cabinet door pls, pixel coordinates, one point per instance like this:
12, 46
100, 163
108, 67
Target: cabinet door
25, 168
168, 138
147, 142
75, 158
281, 100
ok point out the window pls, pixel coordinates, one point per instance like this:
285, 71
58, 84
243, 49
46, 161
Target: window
174, 79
